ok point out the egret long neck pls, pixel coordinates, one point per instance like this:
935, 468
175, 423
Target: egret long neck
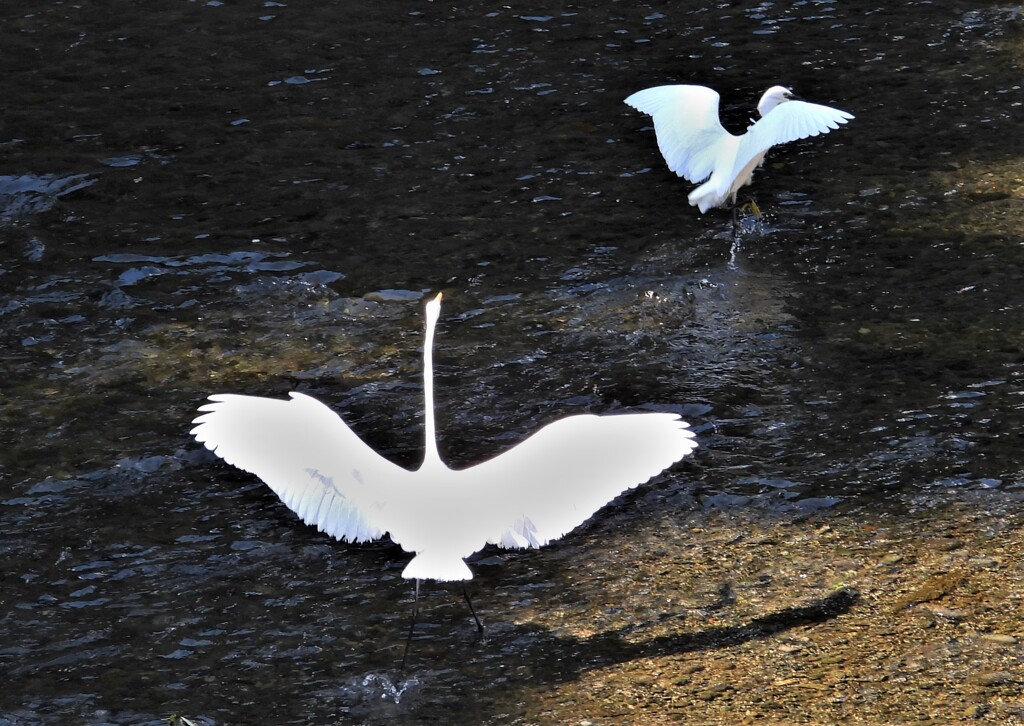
430, 454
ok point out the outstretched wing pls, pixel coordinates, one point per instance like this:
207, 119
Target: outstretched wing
302, 450
556, 479
687, 126
787, 122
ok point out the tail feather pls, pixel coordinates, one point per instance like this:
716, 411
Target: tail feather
444, 568
708, 196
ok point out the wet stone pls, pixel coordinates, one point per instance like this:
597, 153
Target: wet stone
975, 711
993, 678
713, 692
933, 589
951, 616
998, 639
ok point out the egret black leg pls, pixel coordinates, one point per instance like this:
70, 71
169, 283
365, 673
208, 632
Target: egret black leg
412, 622
479, 625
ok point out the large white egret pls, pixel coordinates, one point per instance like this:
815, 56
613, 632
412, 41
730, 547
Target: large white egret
697, 147
526, 497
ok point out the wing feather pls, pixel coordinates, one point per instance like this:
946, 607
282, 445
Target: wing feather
787, 122
556, 479
312, 460
687, 126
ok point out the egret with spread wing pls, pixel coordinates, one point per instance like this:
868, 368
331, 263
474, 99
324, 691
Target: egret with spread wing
526, 497
697, 147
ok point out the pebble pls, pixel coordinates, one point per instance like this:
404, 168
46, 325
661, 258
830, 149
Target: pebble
932, 589
952, 616
993, 678
999, 638
975, 711
713, 692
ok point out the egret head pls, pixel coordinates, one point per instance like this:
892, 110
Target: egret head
773, 97
434, 309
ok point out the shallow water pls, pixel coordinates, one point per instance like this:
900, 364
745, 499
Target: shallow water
256, 197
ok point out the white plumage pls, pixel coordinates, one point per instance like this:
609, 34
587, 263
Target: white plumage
528, 496
697, 147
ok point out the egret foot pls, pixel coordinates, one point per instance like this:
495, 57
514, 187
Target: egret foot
740, 211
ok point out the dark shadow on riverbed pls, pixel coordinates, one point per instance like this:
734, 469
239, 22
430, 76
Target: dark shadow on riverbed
564, 658
557, 658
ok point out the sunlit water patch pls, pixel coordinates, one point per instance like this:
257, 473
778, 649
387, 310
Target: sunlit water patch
31, 194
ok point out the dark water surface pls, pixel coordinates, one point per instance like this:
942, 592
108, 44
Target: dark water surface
256, 196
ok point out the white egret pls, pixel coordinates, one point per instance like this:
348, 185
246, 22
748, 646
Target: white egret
526, 497
697, 147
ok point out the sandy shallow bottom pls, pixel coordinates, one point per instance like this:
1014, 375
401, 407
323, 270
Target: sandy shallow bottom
915, 618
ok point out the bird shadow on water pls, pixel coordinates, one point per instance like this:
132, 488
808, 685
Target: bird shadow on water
544, 657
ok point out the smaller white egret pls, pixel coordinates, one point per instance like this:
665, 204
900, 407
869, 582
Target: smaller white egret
697, 147
526, 497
